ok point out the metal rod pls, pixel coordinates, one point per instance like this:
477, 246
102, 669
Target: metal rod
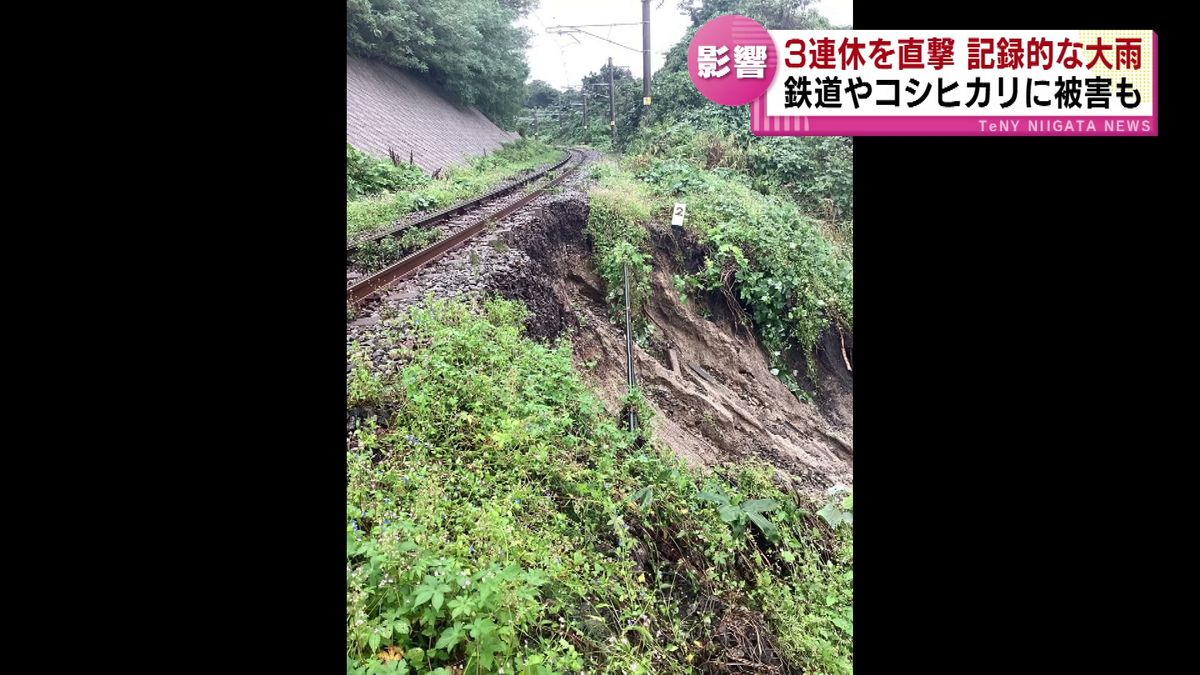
598, 37
646, 52
629, 354
612, 105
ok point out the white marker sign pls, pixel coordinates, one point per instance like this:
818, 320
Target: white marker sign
677, 215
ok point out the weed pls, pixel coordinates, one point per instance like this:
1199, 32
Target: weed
365, 387
366, 175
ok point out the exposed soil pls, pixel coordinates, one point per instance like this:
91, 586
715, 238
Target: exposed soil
707, 380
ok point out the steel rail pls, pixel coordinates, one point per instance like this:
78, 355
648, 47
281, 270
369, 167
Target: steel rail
457, 209
357, 293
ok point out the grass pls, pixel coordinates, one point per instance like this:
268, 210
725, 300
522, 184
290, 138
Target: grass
364, 214
500, 520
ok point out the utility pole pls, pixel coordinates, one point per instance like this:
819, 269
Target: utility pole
612, 104
645, 52
585, 120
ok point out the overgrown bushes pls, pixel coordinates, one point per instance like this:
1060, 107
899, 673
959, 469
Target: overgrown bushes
500, 520
791, 278
367, 176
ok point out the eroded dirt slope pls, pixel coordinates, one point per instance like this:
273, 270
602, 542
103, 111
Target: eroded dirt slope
709, 383
707, 380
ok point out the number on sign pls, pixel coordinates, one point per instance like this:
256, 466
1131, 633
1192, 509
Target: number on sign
677, 215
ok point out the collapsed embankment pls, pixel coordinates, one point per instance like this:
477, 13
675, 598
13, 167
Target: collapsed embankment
706, 378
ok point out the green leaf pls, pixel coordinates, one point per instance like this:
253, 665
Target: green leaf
714, 498
438, 598
833, 515
844, 624
423, 597
645, 495
374, 641
768, 528
760, 505
459, 606
450, 637
730, 513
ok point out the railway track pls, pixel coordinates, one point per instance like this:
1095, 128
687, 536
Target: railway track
361, 290
456, 209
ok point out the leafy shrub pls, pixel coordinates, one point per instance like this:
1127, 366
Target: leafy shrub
502, 519
366, 175
817, 170
793, 281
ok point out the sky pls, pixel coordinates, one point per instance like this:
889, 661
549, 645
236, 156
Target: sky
562, 61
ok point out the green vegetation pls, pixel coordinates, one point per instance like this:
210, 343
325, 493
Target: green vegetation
817, 173
367, 176
470, 48
384, 204
559, 114
780, 265
776, 214
620, 208
371, 256
499, 520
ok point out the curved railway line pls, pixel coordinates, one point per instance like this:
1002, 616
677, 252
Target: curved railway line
362, 289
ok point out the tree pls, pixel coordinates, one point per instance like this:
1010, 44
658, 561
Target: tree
773, 14
594, 78
541, 94
470, 48
521, 7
